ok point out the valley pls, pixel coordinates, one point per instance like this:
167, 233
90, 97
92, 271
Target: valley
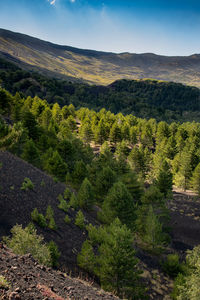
99, 180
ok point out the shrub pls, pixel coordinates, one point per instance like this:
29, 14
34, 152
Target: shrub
63, 204
54, 252
3, 282
67, 193
80, 220
42, 183
73, 201
52, 224
38, 218
67, 219
27, 240
172, 266
27, 184
49, 212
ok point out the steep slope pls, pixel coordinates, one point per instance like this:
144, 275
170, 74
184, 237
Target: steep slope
29, 280
16, 206
94, 66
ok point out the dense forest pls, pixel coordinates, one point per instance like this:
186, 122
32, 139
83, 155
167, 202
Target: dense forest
124, 165
166, 101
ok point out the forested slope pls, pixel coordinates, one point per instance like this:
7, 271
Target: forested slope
143, 98
126, 183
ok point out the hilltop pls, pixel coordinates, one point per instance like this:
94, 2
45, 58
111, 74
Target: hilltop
95, 66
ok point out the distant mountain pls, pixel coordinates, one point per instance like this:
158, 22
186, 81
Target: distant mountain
95, 66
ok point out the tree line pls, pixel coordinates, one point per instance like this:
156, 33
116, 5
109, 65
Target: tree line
144, 98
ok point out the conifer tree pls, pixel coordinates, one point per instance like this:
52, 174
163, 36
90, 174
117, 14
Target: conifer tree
164, 179
86, 195
79, 172
195, 180
115, 133
55, 165
31, 153
153, 234
117, 262
86, 258
119, 203
104, 181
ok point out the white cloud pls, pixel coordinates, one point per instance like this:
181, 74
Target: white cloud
52, 2
72, 1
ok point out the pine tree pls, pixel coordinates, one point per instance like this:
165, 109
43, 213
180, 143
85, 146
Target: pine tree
115, 133
79, 172
31, 153
164, 179
55, 165
86, 258
86, 133
119, 203
195, 180
104, 181
153, 234
80, 220
117, 262
86, 195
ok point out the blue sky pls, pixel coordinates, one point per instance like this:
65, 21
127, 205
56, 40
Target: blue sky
163, 27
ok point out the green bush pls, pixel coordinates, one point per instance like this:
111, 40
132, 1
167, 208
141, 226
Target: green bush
80, 220
172, 266
67, 219
38, 218
73, 202
49, 212
52, 224
27, 240
67, 193
4, 283
42, 183
27, 184
54, 252
63, 204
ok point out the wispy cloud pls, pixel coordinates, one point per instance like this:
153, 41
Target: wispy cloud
52, 2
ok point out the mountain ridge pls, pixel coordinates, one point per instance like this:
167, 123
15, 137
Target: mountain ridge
96, 67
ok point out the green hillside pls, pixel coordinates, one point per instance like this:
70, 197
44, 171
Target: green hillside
94, 66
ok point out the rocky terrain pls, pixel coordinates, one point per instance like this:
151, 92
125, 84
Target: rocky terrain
27, 280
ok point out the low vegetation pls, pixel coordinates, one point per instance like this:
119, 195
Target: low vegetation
26, 240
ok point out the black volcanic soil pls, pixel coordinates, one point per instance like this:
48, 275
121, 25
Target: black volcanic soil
16, 206
185, 220
30, 281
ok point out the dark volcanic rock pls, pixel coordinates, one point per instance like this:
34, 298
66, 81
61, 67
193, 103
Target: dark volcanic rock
30, 281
